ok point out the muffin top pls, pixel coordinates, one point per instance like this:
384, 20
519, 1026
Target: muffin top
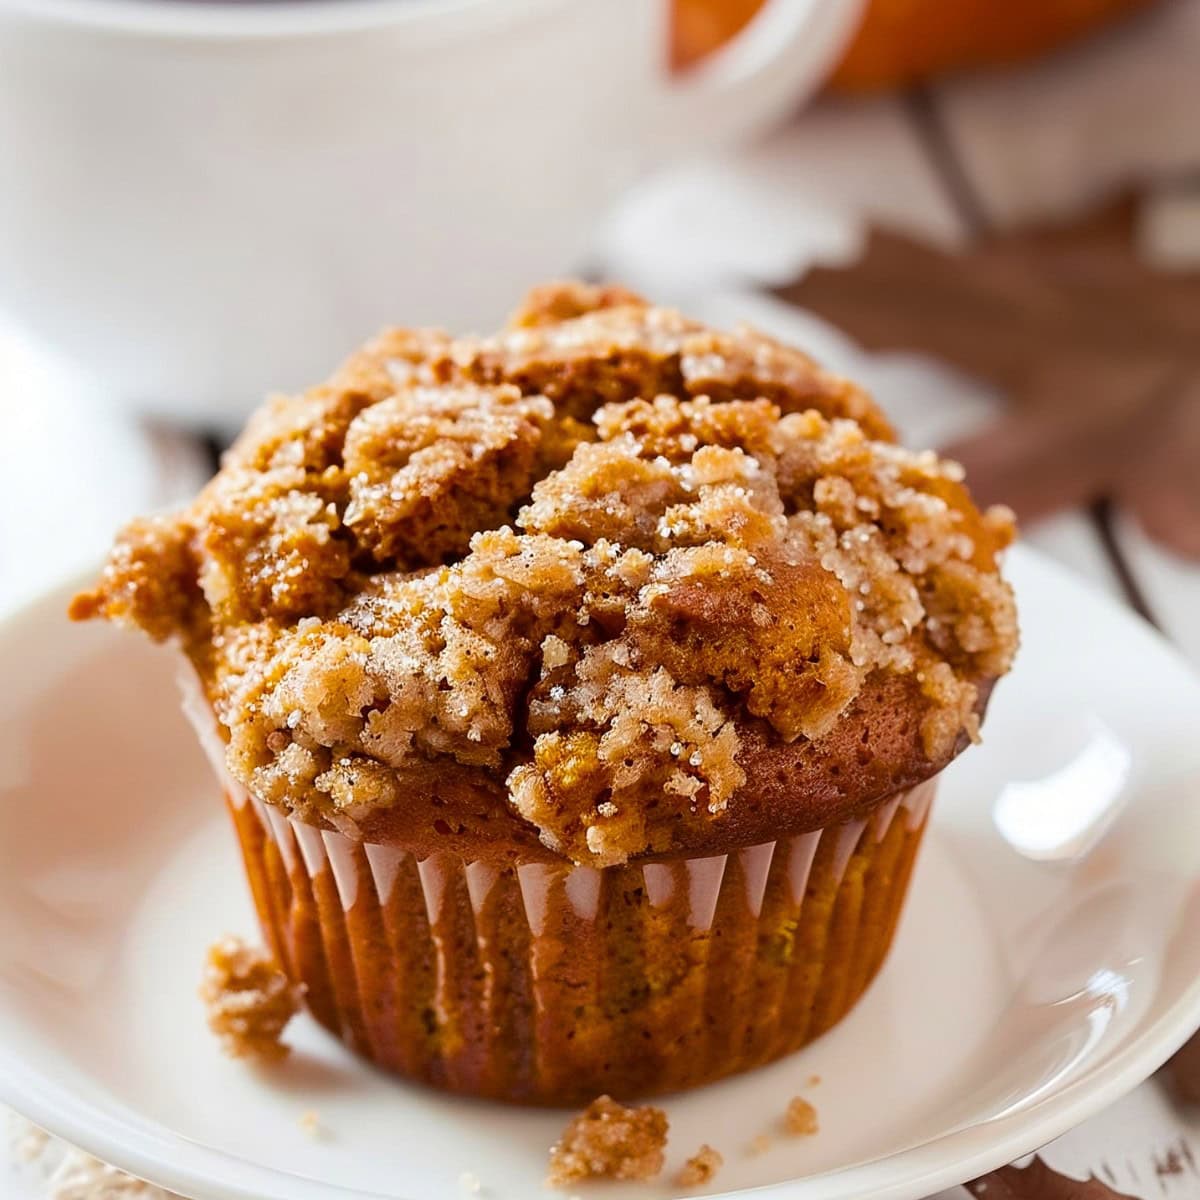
608, 583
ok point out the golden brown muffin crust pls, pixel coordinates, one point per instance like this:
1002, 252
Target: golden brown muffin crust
608, 579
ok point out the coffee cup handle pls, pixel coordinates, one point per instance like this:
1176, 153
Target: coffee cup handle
781, 56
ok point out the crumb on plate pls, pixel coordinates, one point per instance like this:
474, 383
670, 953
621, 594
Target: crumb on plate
310, 1124
800, 1120
248, 998
701, 1168
609, 1141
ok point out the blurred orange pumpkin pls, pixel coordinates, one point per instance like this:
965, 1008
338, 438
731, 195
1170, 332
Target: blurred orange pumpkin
906, 41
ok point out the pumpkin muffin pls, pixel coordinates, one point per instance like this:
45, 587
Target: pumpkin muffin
578, 693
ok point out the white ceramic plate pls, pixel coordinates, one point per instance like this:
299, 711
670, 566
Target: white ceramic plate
1048, 961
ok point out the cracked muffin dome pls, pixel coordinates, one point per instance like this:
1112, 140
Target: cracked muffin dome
606, 584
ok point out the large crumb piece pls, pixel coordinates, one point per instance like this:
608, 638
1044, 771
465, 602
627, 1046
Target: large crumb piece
609, 1141
249, 1000
701, 1168
800, 1119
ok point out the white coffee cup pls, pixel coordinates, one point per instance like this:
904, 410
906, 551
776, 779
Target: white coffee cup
201, 202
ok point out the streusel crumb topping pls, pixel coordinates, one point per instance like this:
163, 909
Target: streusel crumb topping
609, 1141
587, 557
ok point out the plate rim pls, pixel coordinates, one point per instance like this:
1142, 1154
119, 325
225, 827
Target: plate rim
203, 1172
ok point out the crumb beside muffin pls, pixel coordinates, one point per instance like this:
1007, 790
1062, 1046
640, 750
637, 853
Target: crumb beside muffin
701, 1168
609, 1141
609, 630
249, 1000
800, 1118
